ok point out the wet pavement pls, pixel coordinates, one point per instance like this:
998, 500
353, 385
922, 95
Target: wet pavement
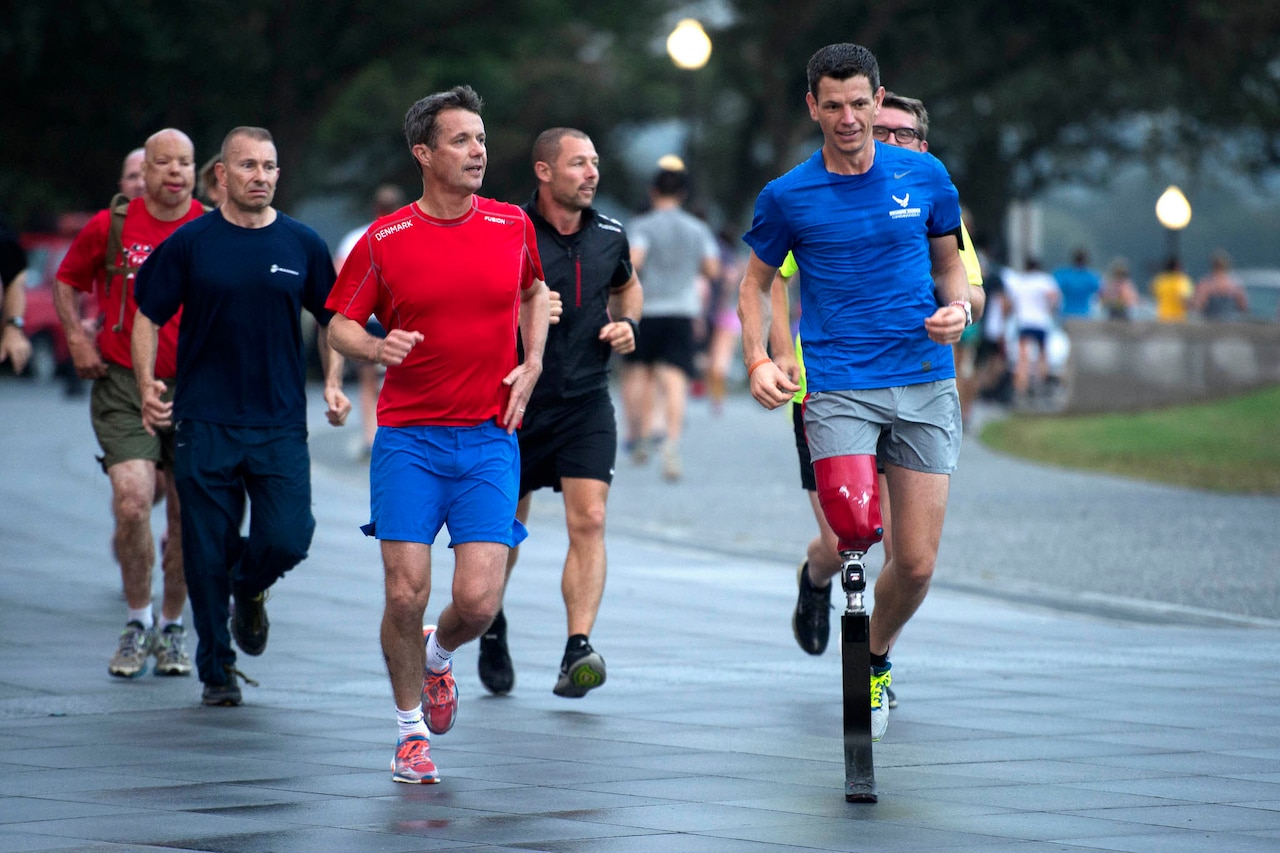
1097, 668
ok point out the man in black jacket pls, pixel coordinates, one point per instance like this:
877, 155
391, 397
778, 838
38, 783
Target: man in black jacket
569, 437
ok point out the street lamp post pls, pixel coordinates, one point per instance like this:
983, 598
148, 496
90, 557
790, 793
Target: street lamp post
689, 47
1174, 212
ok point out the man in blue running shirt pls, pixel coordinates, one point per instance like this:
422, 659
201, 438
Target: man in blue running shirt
884, 294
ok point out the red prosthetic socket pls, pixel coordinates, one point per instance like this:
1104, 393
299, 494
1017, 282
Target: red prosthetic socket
849, 492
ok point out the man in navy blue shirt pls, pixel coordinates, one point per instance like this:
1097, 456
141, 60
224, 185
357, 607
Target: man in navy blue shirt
241, 276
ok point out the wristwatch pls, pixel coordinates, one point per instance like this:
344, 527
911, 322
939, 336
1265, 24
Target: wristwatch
968, 310
635, 327
16, 322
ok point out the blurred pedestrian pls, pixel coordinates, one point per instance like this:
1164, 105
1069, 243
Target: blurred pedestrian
387, 199
726, 329
670, 248
569, 438
1172, 289
14, 346
1118, 296
883, 298
98, 262
240, 276
1035, 296
1219, 295
212, 193
451, 278
1078, 284
131, 183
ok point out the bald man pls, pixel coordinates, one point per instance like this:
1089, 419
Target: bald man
131, 182
130, 455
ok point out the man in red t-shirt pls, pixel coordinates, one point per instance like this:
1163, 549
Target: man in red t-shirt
451, 277
130, 454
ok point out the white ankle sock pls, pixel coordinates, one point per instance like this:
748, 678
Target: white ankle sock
439, 659
411, 722
143, 617
163, 623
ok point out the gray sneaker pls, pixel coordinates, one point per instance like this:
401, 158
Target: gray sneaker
171, 652
136, 645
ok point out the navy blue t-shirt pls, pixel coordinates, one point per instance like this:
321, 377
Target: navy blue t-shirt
242, 291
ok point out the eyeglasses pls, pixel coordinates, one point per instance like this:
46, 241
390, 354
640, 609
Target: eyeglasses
903, 135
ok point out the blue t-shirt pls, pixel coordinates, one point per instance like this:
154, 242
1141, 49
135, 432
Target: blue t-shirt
242, 291
1078, 285
866, 278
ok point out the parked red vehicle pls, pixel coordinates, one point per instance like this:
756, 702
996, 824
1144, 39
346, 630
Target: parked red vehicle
50, 357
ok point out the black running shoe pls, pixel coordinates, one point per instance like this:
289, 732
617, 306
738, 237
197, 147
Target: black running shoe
581, 671
811, 622
249, 625
496, 672
225, 695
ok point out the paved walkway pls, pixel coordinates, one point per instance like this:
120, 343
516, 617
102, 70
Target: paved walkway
1021, 726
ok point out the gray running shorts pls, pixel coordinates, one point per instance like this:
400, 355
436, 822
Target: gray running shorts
921, 425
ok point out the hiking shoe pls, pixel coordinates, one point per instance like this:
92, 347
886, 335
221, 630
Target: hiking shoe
890, 698
249, 625
880, 681
811, 622
136, 645
222, 695
496, 672
581, 673
412, 764
439, 694
171, 652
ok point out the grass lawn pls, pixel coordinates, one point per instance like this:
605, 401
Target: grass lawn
1227, 446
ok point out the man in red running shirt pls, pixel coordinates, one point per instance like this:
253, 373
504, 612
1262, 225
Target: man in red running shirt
450, 277
130, 453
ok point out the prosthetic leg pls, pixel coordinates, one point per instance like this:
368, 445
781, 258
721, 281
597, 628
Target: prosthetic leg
850, 496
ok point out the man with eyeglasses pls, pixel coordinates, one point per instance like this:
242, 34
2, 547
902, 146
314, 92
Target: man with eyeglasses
851, 417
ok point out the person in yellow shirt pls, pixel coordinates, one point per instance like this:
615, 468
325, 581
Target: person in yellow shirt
1172, 289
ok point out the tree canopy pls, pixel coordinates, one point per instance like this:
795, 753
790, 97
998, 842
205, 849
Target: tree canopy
1020, 95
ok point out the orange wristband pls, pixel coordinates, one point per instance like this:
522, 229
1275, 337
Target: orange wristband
752, 368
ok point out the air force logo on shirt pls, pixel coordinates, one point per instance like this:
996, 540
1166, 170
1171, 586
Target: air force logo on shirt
901, 211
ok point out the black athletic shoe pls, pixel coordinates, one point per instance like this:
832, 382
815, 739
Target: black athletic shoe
811, 622
226, 695
249, 625
496, 672
890, 698
582, 670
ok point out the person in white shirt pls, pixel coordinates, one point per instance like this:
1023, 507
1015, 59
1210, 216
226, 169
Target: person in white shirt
1035, 296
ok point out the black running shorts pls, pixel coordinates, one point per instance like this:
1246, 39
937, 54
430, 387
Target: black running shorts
576, 438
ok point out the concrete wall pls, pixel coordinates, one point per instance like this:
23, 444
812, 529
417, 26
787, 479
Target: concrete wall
1119, 366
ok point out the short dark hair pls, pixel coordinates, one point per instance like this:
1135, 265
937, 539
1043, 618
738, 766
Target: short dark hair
840, 62
208, 175
421, 125
909, 105
259, 133
547, 146
671, 182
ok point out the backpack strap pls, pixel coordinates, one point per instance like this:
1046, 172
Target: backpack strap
117, 263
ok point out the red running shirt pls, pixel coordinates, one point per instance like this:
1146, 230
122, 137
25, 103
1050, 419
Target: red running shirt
457, 282
84, 268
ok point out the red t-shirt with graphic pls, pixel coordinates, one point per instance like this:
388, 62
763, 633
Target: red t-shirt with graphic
84, 268
457, 282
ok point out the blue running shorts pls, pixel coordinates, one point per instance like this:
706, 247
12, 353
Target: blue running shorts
422, 478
